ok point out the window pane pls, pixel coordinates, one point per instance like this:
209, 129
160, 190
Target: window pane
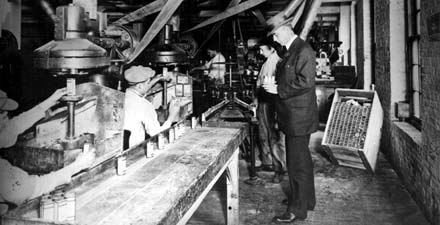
416, 104
413, 28
415, 78
418, 23
409, 18
415, 52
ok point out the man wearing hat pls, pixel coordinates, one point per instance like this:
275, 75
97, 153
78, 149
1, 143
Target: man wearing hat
140, 115
17, 185
297, 115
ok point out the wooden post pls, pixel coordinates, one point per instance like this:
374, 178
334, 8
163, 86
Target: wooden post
288, 11
260, 17
310, 19
232, 190
298, 14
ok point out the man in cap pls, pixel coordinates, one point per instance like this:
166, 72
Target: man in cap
140, 114
298, 116
17, 185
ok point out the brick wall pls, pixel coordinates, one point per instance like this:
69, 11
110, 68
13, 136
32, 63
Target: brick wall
414, 154
382, 61
430, 160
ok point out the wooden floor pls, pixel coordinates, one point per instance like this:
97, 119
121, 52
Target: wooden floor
345, 196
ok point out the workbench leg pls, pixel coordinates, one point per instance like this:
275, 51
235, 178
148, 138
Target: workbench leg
253, 172
232, 190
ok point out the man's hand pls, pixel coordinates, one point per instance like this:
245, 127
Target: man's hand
270, 88
255, 102
168, 77
57, 95
84, 160
173, 109
53, 99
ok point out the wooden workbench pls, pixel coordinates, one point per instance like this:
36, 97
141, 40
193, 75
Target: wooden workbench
165, 189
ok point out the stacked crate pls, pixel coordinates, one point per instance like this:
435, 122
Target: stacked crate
352, 134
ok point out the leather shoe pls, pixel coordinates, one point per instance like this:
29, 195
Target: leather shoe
286, 202
267, 168
277, 178
287, 217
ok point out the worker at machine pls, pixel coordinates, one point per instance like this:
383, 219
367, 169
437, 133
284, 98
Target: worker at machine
17, 185
216, 66
271, 139
140, 117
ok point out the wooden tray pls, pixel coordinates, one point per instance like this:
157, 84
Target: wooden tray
352, 134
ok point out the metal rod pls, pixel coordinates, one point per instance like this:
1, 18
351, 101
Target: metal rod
230, 74
165, 89
71, 120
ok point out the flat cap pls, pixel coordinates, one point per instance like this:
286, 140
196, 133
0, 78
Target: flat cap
7, 104
138, 74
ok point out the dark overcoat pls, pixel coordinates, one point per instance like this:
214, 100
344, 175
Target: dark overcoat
296, 105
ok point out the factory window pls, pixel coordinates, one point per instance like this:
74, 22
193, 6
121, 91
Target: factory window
413, 59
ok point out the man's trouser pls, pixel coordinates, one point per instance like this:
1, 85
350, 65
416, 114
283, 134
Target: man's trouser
271, 140
300, 170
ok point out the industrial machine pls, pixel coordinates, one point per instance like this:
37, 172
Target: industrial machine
91, 114
70, 55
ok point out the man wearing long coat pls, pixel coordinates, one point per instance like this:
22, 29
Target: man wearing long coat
298, 118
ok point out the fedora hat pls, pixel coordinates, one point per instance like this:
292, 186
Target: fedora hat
7, 104
276, 22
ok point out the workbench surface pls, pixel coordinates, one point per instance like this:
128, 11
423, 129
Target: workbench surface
160, 190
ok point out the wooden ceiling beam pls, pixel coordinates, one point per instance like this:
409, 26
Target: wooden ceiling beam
228, 13
217, 26
329, 10
165, 14
336, 1
310, 18
293, 5
208, 13
142, 12
327, 18
260, 17
298, 14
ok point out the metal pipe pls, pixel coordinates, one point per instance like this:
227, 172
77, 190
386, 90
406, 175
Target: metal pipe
168, 34
230, 73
